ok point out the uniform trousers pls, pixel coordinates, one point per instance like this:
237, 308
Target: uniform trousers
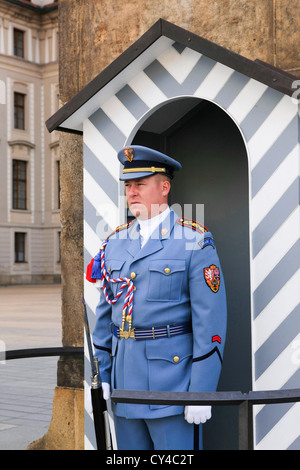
169, 433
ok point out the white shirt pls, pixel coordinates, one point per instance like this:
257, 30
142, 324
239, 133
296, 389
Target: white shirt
148, 226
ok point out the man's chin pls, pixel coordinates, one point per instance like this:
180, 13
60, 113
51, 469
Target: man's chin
138, 211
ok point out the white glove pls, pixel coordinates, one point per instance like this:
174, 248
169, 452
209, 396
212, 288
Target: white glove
88, 397
197, 414
106, 390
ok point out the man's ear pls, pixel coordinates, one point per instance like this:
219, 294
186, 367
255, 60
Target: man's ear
166, 186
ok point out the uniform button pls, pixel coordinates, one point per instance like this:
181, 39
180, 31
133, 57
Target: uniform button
176, 359
132, 275
167, 270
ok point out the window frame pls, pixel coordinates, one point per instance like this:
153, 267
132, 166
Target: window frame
20, 237
19, 111
19, 50
19, 203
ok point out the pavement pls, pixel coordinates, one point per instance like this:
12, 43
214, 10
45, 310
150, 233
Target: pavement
30, 317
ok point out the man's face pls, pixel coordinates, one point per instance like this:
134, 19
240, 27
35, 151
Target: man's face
147, 197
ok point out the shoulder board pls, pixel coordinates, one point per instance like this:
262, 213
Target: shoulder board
192, 224
122, 227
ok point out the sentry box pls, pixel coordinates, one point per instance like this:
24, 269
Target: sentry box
233, 124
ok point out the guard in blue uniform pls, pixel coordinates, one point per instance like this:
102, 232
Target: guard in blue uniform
161, 319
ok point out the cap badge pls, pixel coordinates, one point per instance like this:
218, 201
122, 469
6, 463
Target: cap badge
129, 153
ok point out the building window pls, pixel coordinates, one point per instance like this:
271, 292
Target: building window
19, 184
19, 111
20, 247
18, 43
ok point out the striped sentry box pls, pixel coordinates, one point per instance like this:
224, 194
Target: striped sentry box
268, 120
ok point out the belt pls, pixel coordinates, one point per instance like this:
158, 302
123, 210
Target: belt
155, 332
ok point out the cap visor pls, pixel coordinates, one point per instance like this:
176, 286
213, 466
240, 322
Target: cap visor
135, 176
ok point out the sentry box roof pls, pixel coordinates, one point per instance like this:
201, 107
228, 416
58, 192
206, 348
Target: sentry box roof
142, 53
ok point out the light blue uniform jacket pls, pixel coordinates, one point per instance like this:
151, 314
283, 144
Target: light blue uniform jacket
188, 362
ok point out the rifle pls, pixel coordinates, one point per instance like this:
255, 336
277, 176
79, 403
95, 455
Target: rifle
102, 432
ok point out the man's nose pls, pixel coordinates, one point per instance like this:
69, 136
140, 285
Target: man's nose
132, 191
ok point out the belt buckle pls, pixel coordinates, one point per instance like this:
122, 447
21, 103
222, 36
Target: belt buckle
127, 333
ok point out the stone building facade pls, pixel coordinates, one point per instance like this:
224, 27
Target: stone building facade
29, 156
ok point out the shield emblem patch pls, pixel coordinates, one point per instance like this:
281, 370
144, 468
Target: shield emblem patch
212, 277
129, 153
